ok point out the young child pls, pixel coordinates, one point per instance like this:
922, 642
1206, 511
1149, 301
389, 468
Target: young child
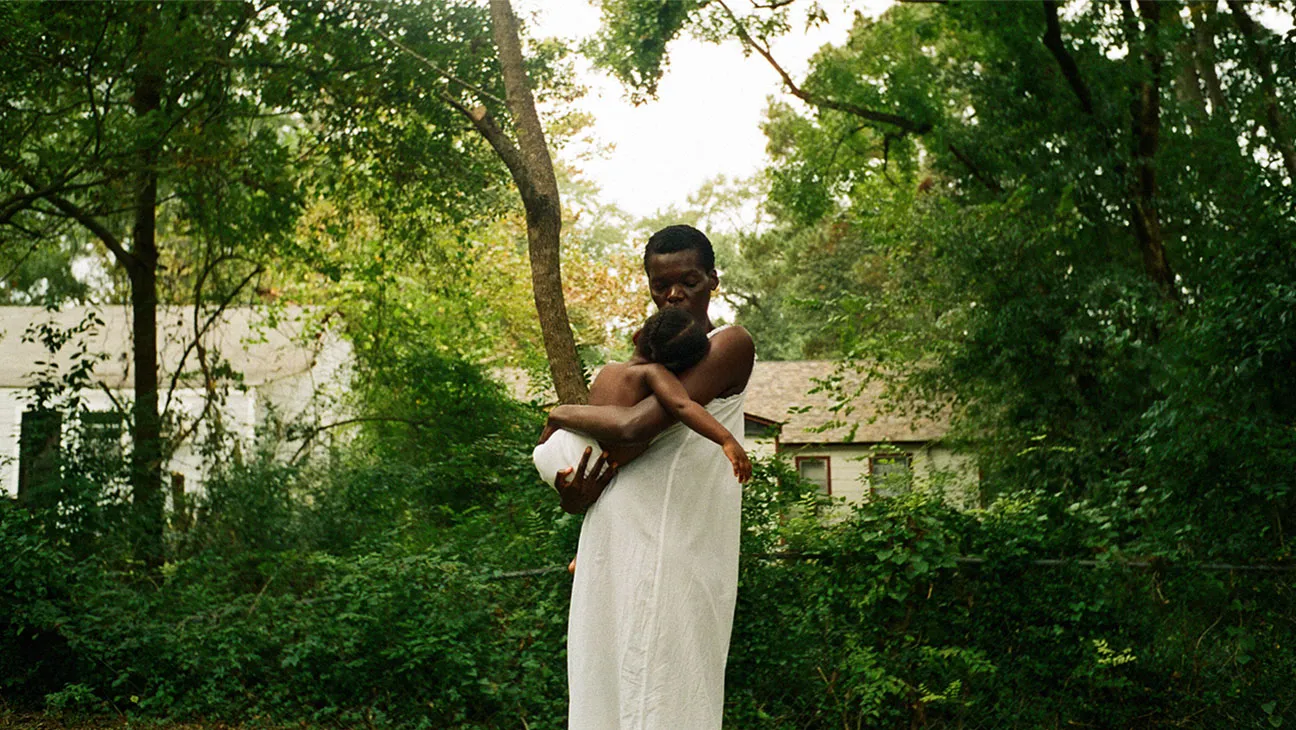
670, 342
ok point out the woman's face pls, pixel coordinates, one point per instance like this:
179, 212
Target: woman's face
677, 279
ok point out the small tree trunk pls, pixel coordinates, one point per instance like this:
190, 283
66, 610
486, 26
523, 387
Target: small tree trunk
1204, 42
539, 190
1146, 108
146, 456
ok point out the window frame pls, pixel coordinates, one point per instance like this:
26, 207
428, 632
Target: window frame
827, 460
898, 454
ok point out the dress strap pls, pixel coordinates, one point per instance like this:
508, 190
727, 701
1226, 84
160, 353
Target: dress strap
718, 329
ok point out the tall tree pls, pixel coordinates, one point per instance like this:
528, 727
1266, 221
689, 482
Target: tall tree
189, 134
1033, 212
526, 155
109, 107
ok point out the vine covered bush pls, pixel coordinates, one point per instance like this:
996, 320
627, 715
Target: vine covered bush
874, 620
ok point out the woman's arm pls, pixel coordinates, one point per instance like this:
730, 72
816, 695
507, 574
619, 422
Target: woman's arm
724, 371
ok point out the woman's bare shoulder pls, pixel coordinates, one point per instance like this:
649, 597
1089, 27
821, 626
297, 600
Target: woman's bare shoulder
733, 342
726, 368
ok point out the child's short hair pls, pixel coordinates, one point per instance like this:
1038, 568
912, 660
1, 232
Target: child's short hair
673, 338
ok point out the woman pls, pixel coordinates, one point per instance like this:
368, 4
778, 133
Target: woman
653, 597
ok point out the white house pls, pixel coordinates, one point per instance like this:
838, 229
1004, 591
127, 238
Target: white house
866, 453
270, 365
860, 452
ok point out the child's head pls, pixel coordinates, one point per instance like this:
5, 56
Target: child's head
674, 339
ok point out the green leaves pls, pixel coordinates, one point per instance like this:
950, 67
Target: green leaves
632, 42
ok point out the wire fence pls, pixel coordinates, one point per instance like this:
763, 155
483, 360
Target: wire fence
1145, 564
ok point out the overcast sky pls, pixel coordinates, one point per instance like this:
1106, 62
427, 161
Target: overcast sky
706, 119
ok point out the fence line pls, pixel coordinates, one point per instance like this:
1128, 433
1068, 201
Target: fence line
971, 560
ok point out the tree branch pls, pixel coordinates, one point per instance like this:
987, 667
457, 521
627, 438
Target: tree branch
485, 124
906, 125
895, 120
17, 203
199, 331
1264, 67
21, 260
981, 177
209, 381
1070, 71
310, 435
110, 241
439, 71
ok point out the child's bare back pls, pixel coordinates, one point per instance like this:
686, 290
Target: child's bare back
620, 384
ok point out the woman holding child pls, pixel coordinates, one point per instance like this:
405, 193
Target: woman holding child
653, 596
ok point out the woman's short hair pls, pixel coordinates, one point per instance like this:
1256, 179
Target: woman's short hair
674, 339
681, 237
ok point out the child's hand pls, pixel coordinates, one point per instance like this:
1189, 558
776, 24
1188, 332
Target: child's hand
741, 464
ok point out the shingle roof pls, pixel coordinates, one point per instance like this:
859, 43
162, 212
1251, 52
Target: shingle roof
259, 348
782, 392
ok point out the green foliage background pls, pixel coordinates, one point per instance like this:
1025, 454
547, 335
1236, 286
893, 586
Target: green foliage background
1136, 437
272, 614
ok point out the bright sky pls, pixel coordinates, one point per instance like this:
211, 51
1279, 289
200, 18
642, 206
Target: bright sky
706, 118
710, 104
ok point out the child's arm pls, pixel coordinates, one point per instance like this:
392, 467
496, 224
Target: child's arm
670, 392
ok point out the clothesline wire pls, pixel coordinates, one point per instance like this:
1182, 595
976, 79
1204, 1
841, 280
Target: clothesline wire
971, 560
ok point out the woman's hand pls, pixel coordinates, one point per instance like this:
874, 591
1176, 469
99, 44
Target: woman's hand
579, 488
546, 433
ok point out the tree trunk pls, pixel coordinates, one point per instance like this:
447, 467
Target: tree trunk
1146, 109
1187, 83
146, 456
539, 189
1204, 40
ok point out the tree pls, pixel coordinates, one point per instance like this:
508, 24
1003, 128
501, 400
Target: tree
526, 155
112, 115
188, 130
1040, 211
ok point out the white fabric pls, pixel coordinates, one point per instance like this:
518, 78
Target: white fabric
656, 580
562, 449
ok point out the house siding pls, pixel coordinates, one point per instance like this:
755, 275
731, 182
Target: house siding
934, 468
239, 415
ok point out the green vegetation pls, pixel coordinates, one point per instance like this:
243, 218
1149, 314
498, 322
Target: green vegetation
1071, 225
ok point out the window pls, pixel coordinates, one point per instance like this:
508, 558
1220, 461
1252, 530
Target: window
816, 470
100, 448
102, 435
754, 430
39, 457
889, 474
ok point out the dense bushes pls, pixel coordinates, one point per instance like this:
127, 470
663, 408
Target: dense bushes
874, 624
886, 629
396, 630
363, 589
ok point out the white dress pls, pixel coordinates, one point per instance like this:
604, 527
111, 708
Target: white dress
656, 579
562, 449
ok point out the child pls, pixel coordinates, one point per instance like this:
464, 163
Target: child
670, 342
